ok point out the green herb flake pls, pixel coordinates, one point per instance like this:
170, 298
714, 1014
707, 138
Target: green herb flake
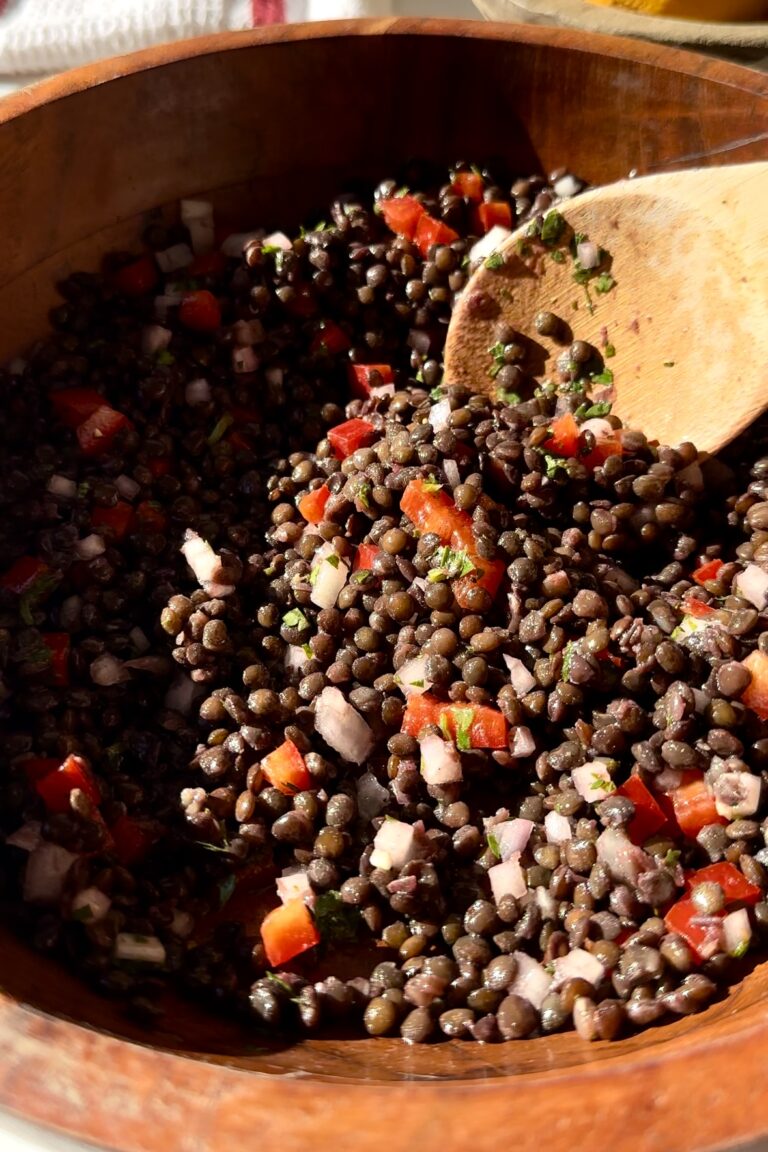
553, 464
83, 913
669, 363
335, 920
493, 844
609, 351
523, 250
552, 227
494, 261
165, 357
558, 256
39, 589
449, 565
432, 484
568, 653
740, 950
672, 857
420, 376
496, 352
436, 394
275, 979
226, 890
464, 718
307, 651
603, 785
364, 496
212, 847
362, 576
295, 618
604, 283
333, 560
417, 683
603, 408
443, 723
604, 377
220, 428
505, 396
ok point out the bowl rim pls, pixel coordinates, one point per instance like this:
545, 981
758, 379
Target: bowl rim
135, 1096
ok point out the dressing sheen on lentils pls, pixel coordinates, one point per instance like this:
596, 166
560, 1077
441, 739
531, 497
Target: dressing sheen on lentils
315, 663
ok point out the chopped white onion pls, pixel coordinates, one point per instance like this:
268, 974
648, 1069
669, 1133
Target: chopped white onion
234, 244
182, 924
440, 415
174, 258
623, 859
127, 486
395, 841
737, 932
520, 678
668, 780
383, 390
278, 240
700, 700
532, 981
412, 677
593, 781
372, 797
90, 905
45, 873
197, 215
248, 332
205, 564
107, 670
139, 949
244, 360
139, 639
507, 879
692, 476
512, 836
69, 613
557, 828
588, 254
488, 244
197, 391
90, 547
752, 584
522, 744
547, 903
328, 577
566, 186
451, 469
28, 837
737, 794
295, 658
62, 486
601, 429
182, 694
154, 338
342, 727
294, 884
578, 964
440, 762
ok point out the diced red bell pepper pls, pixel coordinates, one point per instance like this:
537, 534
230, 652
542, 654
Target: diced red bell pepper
285, 769
493, 213
564, 436
346, 438
23, 574
95, 435
365, 556
402, 214
680, 919
37, 767
74, 405
331, 339
55, 787
470, 185
158, 466
755, 695
488, 729
649, 817
693, 805
692, 606
360, 382
608, 446
312, 504
117, 521
288, 931
58, 644
430, 232
151, 517
130, 840
137, 278
302, 302
212, 264
735, 886
200, 311
707, 571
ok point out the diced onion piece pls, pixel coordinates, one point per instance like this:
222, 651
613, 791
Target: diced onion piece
588, 254
234, 244
372, 797
520, 678
107, 670
412, 677
440, 415
174, 258
737, 932
440, 762
700, 700
139, 949
623, 859
488, 244
197, 391
566, 186
90, 905
182, 924
532, 980
205, 564
295, 658
127, 486
328, 577
396, 841
90, 547
752, 584
28, 837
182, 694
668, 780
601, 429
342, 727
278, 240
248, 332
197, 215
294, 884
578, 964
45, 873
522, 744
512, 836
69, 613
507, 879
139, 639
593, 781
557, 828
451, 469
692, 476
737, 794
383, 390
62, 486
154, 338
244, 360
547, 903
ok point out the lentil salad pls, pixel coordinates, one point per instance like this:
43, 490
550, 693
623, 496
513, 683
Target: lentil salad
482, 682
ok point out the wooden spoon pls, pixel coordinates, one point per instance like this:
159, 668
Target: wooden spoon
678, 307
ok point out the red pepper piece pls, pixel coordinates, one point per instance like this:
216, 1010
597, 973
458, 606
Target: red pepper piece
74, 405
494, 213
649, 817
488, 727
285, 769
470, 185
430, 232
312, 504
137, 278
733, 882
58, 644
55, 787
564, 437
365, 556
346, 438
151, 517
330, 339
95, 435
755, 695
23, 574
681, 917
693, 805
200, 311
609, 446
692, 606
287, 931
707, 571
362, 379
116, 521
158, 466
402, 214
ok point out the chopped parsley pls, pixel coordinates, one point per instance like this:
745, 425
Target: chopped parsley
333, 560
604, 377
553, 463
436, 393
494, 261
336, 921
165, 357
432, 484
589, 411
83, 913
295, 619
364, 495
493, 844
41, 586
568, 652
609, 351
464, 718
552, 227
307, 651
558, 256
506, 396
604, 282
220, 428
362, 576
271, 249
496, 352
672, 857
275, 979
601, 784
740, 950
449, 564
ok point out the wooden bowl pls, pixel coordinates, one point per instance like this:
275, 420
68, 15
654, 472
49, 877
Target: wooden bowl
269, 124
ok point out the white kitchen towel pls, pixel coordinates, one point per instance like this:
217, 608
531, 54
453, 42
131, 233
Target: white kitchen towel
38, 37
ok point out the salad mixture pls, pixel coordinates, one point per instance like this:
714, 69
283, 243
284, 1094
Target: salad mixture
313, 662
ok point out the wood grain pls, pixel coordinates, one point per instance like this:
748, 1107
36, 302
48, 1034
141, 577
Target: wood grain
269, 124
687, 317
